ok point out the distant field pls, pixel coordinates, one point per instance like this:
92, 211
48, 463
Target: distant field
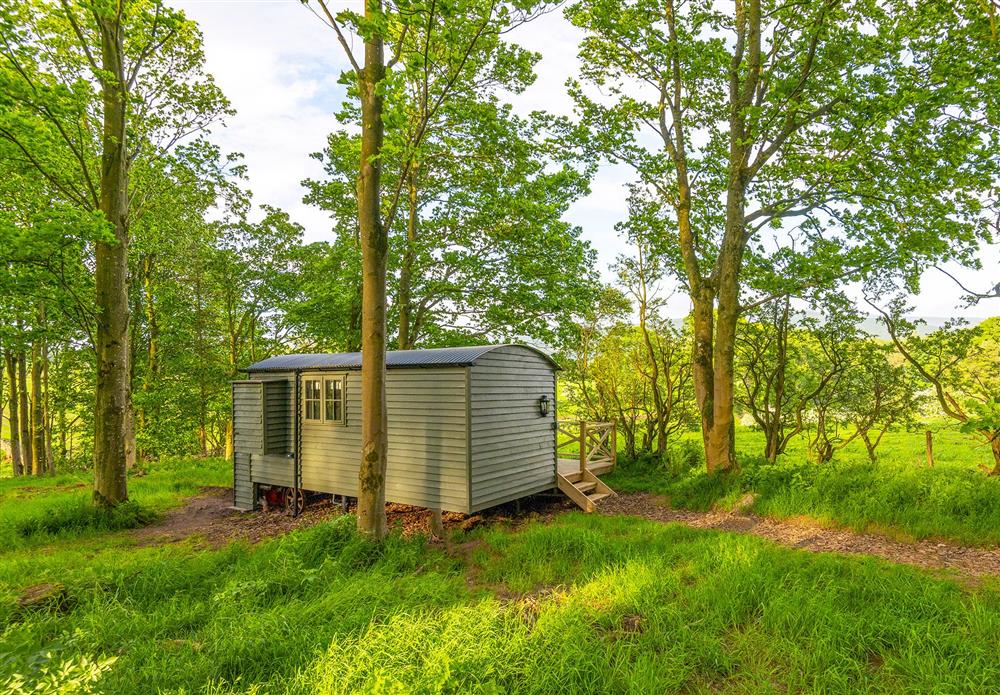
582, 604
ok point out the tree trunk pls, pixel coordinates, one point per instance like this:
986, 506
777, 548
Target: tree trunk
63, 448
27, 454
228, 446
406, 337
152, 347
995, 448
869, 446
41, 466
374, 253
112, 407
3, 407
17, 463
701, 366
929, 438
435, 524
47, 410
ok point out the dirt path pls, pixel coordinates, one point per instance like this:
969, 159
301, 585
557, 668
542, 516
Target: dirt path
211, 519
971, 562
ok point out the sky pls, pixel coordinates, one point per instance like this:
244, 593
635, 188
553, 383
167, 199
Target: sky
279, 66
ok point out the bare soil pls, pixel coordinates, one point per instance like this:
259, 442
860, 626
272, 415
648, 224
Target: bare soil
805, 534
211, 519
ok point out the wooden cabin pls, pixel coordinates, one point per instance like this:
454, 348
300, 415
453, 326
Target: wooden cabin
469, 428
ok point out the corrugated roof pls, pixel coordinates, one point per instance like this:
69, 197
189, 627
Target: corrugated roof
395, 359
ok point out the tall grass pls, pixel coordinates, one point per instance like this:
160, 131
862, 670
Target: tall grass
581, 604
584, 604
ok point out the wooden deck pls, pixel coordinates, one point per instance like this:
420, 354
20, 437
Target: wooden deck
570, 468
597, 452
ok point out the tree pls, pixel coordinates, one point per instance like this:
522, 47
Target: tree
832, 349
830, 121
666, 365
450, 38
960, 364
789, 363
136, 68
879, 393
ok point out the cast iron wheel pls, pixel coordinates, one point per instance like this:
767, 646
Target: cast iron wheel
295, 501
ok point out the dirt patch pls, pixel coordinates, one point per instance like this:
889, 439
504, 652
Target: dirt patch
210, 517
971, 562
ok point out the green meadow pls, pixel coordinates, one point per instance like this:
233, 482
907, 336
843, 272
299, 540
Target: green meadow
581, 604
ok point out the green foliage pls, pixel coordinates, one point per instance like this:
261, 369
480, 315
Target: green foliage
474, 195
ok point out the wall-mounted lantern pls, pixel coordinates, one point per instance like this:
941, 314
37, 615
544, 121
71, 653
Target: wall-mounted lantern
543, 406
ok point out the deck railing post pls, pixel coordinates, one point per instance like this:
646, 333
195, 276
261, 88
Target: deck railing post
614, 443
583, 446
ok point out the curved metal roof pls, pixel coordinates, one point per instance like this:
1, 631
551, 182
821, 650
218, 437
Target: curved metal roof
395, 359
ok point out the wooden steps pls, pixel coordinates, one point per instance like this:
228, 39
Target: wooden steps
596, 445
586, 491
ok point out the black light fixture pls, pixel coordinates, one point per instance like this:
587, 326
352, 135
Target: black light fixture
543, 406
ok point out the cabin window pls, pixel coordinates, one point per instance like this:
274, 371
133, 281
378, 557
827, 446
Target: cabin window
313, 398
323, 399
333, 400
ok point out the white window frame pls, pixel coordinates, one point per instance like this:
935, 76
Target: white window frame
323, 419
343, 399
306, 401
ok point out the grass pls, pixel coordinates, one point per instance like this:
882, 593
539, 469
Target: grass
581, 604
584, 604
899, 496
40, 510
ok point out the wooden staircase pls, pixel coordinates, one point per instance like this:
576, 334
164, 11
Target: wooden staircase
577, 477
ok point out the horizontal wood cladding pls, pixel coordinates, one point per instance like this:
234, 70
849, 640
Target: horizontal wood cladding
248, 417
273, 470
279, 412
460, 438
513, 446
485, 501
242, 485
428, 440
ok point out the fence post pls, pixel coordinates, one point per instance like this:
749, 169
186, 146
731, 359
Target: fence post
583, 446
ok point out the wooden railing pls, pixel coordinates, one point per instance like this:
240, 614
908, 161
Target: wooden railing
597, 442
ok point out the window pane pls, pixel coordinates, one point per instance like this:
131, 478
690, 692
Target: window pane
312, 410
333, 403
333, 389
312, 393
